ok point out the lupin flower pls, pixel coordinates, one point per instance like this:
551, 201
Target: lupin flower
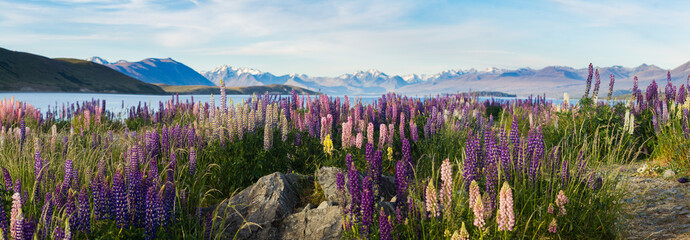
192, 161
413, 131
119, 199
474, 192
464, 235
595, 93
613, 80
8, 178
401, 189
328, 145
370, 133
550, 208
354, 187
384, 226
470, 167
565, 172
478, 210
151, 212
382, 135
553, 226
432, 200
588, 83
447, 186
359, 140
3, 222
506, 216
561, 201
268, 136
18, 229
15, 214
37, 164
84, 214
22, 131
367, 204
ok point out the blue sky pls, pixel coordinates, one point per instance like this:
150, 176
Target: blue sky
328, 38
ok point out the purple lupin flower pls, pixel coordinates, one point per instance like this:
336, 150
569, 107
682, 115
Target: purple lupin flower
401, 190
192, 161
22, 132
681, 94
613, 80
354, 187
3, 222
151, 213
506, 163
18, 188
84, 215
367, 205
565, 172
59, 233
168, 202
71, 212
635, 87
413, 131
37, 164
18, 229
491, 172
119, 199
589, 80
68, 176
8, 178
470, 166
384, 226
595, 93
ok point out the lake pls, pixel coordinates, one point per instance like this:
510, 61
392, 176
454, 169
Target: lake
117, 102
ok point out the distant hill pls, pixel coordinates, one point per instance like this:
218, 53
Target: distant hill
157, 70
272, 88
25, 72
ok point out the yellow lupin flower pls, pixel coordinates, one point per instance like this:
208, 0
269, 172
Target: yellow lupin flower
390, 154
328, 145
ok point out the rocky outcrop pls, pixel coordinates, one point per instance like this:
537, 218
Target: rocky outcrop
323, 222
278, 206
327, 176
257, 211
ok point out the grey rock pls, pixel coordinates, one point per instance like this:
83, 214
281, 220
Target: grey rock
326, 177
669, 173
319, 223
263, 205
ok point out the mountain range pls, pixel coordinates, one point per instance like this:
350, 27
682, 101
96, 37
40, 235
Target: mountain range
552, 81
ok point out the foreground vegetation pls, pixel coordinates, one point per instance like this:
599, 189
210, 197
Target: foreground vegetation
464, 168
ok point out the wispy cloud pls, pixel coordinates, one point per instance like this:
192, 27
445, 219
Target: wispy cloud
328, 37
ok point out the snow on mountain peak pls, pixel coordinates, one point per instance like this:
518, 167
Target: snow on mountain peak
97, 60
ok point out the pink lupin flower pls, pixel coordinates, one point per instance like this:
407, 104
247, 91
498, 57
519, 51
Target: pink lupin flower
370, 133
359, 140
14, 215
432, 200
550, 208
506, 216
561, 201
382, 135
553, 226
478, 211
474, 192
447, 186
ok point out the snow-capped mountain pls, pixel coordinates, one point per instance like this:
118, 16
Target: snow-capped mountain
552, 80
157, 70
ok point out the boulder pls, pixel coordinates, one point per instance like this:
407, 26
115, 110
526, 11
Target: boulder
326, 177
324, 222
257, 211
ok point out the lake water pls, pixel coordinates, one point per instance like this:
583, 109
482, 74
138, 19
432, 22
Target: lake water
117, 102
